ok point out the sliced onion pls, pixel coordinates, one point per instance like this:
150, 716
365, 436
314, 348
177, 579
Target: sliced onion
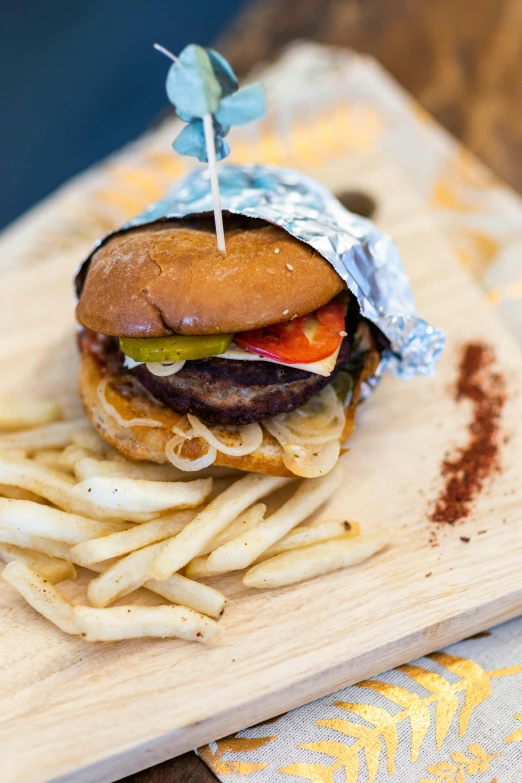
110, 410
303, 462
174, 457
180, 429
251, 438
310, 436
285, 434
322, 419
163, 370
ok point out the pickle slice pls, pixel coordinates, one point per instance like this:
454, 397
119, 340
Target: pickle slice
176, 348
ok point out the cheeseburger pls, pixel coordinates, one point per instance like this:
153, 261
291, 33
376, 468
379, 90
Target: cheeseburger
253, 360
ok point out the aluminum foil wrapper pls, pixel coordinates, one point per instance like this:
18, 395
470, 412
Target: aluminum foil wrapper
366, 259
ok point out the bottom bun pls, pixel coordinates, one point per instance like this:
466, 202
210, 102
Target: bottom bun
131, 400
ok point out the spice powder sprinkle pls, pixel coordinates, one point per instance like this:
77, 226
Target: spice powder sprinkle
466, 472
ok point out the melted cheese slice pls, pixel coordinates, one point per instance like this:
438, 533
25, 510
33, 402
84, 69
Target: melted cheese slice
324, 367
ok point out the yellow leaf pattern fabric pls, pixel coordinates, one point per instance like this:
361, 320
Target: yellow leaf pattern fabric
517, 735
445, 718
416, 710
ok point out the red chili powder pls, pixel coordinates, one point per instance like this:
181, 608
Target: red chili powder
466, 472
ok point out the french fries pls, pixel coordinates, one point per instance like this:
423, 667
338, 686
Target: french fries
125, 495
210, 522
131, 572
322, 530
40, 544
245, 521
15, 493
68, 498
122, 578
89, 440
13, 454
70, 456
49, 436
95, 550
51, 568
180, 590
21, 414
198, 566
309, 562
89, 467
41, 595
131, 622
243, 550
123, 622
38, 520
51, 458
58, 490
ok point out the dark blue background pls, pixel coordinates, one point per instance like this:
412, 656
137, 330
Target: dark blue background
79, 78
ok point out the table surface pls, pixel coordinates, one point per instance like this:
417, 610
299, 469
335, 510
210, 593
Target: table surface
466, 54
460, 59
187, 768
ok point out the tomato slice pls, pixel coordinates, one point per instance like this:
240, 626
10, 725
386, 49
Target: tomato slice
304, 340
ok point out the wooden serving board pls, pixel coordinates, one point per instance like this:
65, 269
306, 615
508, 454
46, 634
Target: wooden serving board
70, 711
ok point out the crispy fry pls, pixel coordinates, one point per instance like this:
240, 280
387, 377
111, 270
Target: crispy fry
243, 550
89, 467
210, 522
245, 521
123, 494
51, 568
40, 544
52, 458
198, 566
13, 454
123, 622
98, 549
132, 622
21, 414
70, 456
15, 493
41, 595
50, 485
308, 562
130, 573
318, 531
122, 578
38, 520
50, 436
180, 590
90, 441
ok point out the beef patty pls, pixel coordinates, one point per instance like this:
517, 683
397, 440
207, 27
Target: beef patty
222, 391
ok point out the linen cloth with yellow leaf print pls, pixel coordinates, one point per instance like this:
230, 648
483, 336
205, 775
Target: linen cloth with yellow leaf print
451, 717
456, 715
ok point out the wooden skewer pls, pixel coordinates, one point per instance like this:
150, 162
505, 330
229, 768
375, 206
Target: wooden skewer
208, 128
166, 52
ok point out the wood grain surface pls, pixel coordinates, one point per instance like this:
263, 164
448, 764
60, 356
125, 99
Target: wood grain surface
460, 58
187, 768
94, 713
